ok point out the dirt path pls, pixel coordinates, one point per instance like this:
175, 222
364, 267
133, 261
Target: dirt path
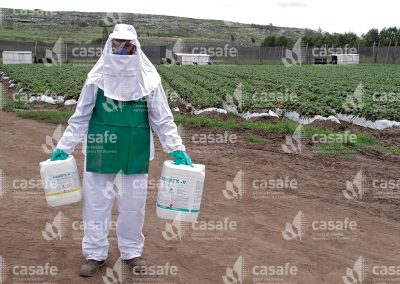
248, 228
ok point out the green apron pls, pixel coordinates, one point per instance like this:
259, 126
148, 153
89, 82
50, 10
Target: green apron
118, 139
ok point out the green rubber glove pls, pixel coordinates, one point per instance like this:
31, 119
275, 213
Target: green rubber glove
181, 158
58, 155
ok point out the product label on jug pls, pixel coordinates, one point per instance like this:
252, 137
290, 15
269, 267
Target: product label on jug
181, 194
62, 182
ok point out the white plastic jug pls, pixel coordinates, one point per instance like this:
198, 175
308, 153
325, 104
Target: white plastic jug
61, 181
180, 191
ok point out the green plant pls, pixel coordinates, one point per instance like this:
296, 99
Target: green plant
253, 138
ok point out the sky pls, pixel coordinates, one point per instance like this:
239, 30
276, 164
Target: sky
331, 16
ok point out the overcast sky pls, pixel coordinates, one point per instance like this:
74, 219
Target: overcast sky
332, 16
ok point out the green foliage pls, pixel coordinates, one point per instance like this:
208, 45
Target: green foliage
271, 41
49, 115
66, 80
394, 149
309, 90
253, 138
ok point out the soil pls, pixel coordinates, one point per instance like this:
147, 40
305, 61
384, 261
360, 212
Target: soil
257, 216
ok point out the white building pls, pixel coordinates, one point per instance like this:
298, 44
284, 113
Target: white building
345, 58
17, 57
191, 58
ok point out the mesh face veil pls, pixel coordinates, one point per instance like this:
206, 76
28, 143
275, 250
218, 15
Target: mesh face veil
123, 47
124, 77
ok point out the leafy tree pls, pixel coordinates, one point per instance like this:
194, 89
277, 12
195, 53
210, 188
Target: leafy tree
269, 41
371, 36
282, 41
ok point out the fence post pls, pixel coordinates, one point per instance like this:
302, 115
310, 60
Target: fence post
387, 53
377, 53
373, 53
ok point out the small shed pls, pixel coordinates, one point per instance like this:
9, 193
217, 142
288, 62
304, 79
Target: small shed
17, 57
345, 58
192, 59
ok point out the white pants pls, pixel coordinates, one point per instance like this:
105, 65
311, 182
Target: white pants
99, 192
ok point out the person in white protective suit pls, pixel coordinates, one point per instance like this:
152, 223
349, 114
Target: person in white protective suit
121, 102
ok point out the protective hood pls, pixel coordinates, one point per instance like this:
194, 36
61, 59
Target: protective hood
124, 77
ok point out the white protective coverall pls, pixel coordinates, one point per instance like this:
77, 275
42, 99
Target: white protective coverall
122, 79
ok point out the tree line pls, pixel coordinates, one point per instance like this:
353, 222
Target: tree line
384, 37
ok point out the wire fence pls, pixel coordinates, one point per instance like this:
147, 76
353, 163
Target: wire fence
221, 52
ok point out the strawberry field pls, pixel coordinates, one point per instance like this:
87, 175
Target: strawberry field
371, 91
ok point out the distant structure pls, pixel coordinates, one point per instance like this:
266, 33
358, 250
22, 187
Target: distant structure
338, 58
17, 57
192, 59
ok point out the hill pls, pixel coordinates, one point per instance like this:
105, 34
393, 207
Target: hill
86, 27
